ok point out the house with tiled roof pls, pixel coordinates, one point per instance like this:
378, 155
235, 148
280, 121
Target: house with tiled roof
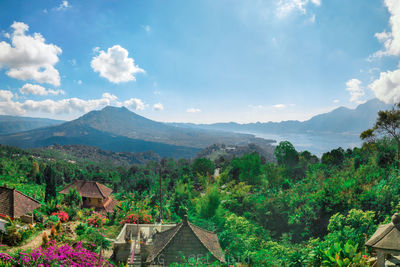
162, 244
94, 195
16, 205
184, 239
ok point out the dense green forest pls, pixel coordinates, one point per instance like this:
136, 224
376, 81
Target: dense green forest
297, 211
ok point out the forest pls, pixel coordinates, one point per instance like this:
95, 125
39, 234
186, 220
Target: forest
296, 211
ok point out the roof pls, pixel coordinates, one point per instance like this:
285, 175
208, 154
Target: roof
208, 239
387, 236
15, 204
90, 189
110, 204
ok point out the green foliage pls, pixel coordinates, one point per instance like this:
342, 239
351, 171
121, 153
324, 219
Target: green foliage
354, 226
344, 255
50, 179
203, 166
334, 157
286, 154
209, 203
247, 169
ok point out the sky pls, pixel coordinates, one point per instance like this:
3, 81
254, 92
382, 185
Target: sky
197, 61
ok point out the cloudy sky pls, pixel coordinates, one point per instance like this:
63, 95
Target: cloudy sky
197, 61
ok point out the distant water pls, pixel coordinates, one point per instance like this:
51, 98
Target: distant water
315, 143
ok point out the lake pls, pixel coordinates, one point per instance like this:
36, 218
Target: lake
315, 143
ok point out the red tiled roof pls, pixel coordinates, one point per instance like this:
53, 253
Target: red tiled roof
90, 189
110, 204
15, 204
208, 239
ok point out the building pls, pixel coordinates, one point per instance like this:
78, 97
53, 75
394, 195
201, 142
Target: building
161, 245
385, 242
16, 205
94, 195
185, 239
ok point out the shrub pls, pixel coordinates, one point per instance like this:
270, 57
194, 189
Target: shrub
81, 229
62, 215
97, 220
141, 217
54, 255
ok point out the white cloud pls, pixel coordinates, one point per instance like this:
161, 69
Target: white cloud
391, 40
387, 87
312, 19
158, 107
193, 110
5, 95
316, 2
79, 82
115, 65
147, 28
28, 57
36, 89
355, 89
336, 101
134, 103
64, 5
286, 7
279, 106
63, 106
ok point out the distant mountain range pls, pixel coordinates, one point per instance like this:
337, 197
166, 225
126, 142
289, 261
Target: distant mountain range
339, 121
14, 124
120, 130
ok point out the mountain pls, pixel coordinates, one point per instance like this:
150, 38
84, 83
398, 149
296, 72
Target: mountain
14, 124
339, 121
123, 122
120, 130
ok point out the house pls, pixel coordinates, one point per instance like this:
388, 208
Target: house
94, 195
386, 243
161, 245
16, 205
185, 239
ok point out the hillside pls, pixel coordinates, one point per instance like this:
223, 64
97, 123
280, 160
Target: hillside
120, 130
14, 124
84, 153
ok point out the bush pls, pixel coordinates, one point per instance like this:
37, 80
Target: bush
62, 215
97, 220
54, 255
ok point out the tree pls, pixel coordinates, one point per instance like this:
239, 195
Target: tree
203, 166
334, 157
50, 179
286, 154
247, 169
387, 124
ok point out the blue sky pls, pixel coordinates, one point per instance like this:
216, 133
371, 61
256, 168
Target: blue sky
197, 61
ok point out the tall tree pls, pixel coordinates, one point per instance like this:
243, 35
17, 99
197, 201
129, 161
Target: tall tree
286, 154
387, 124
50, 179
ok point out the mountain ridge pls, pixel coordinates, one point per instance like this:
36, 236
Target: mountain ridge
339, 121
120, 130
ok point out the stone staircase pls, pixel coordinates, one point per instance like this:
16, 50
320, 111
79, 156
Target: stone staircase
135, 258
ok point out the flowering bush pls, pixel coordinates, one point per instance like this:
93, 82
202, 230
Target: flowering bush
97, 220
54, 255
141, 217
62, 215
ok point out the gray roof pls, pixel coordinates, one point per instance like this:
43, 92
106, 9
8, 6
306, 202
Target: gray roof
387, 236
208, 239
